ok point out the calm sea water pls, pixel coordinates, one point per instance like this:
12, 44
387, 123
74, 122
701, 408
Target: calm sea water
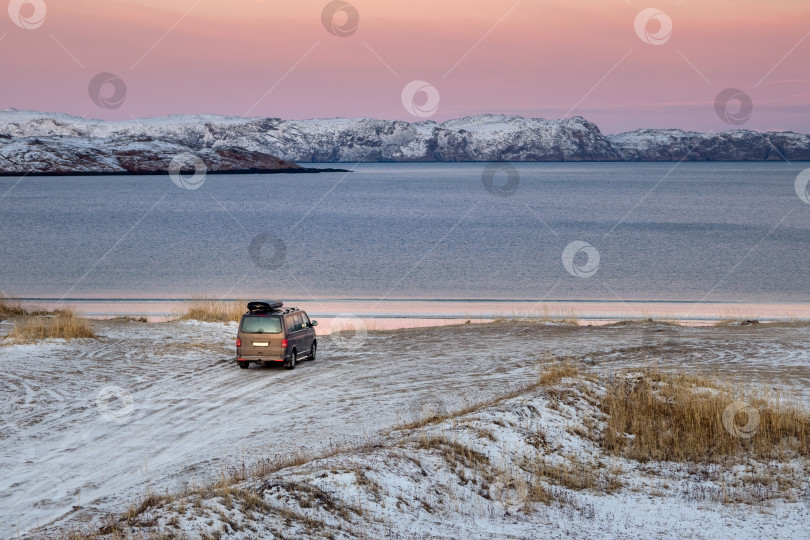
708, 231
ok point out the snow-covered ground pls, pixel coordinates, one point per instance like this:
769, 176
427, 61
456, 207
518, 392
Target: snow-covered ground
499, 472
88, 426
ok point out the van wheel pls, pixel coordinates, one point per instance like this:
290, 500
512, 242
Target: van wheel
312, 351
244, 365
293, 359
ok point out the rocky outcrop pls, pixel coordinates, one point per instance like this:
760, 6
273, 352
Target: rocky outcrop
479, 138
124, 155
735, 145
45, 142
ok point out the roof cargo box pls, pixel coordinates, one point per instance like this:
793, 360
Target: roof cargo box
270, 305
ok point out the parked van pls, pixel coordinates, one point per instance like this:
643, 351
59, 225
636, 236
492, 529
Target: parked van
268, 332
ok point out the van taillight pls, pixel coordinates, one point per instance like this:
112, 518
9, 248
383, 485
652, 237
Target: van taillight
238, 342
283, 343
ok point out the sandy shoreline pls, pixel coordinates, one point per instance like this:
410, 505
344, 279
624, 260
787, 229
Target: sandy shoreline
394, 314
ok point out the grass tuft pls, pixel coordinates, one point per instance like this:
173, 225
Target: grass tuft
62, 323
676, 417
554, 374
11, 308
213, 310
130, 318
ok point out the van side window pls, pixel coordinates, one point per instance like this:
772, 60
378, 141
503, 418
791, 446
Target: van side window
289, 323
299, 321
306, 319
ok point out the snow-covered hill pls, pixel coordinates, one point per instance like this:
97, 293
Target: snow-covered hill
733, 145
34, 141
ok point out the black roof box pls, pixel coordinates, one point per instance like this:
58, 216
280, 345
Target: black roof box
269, 305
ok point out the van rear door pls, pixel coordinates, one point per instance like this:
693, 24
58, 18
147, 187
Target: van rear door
261, 337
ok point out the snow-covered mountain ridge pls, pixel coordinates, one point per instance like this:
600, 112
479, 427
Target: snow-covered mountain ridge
41, 142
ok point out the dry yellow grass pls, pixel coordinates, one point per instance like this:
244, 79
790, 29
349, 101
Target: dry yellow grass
543, 314
11, 308
565, 315
213, 310
63, 323
734, 316
555, 373
130, 318
575, 475
677, 417
454, 452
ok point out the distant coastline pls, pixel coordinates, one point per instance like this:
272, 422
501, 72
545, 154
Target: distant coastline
299, 170
58, 144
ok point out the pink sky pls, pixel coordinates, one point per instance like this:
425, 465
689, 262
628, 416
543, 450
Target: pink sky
545, 59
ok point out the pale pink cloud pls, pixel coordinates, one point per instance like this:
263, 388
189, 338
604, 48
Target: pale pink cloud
541, 59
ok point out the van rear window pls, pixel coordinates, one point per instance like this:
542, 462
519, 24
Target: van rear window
252, 324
